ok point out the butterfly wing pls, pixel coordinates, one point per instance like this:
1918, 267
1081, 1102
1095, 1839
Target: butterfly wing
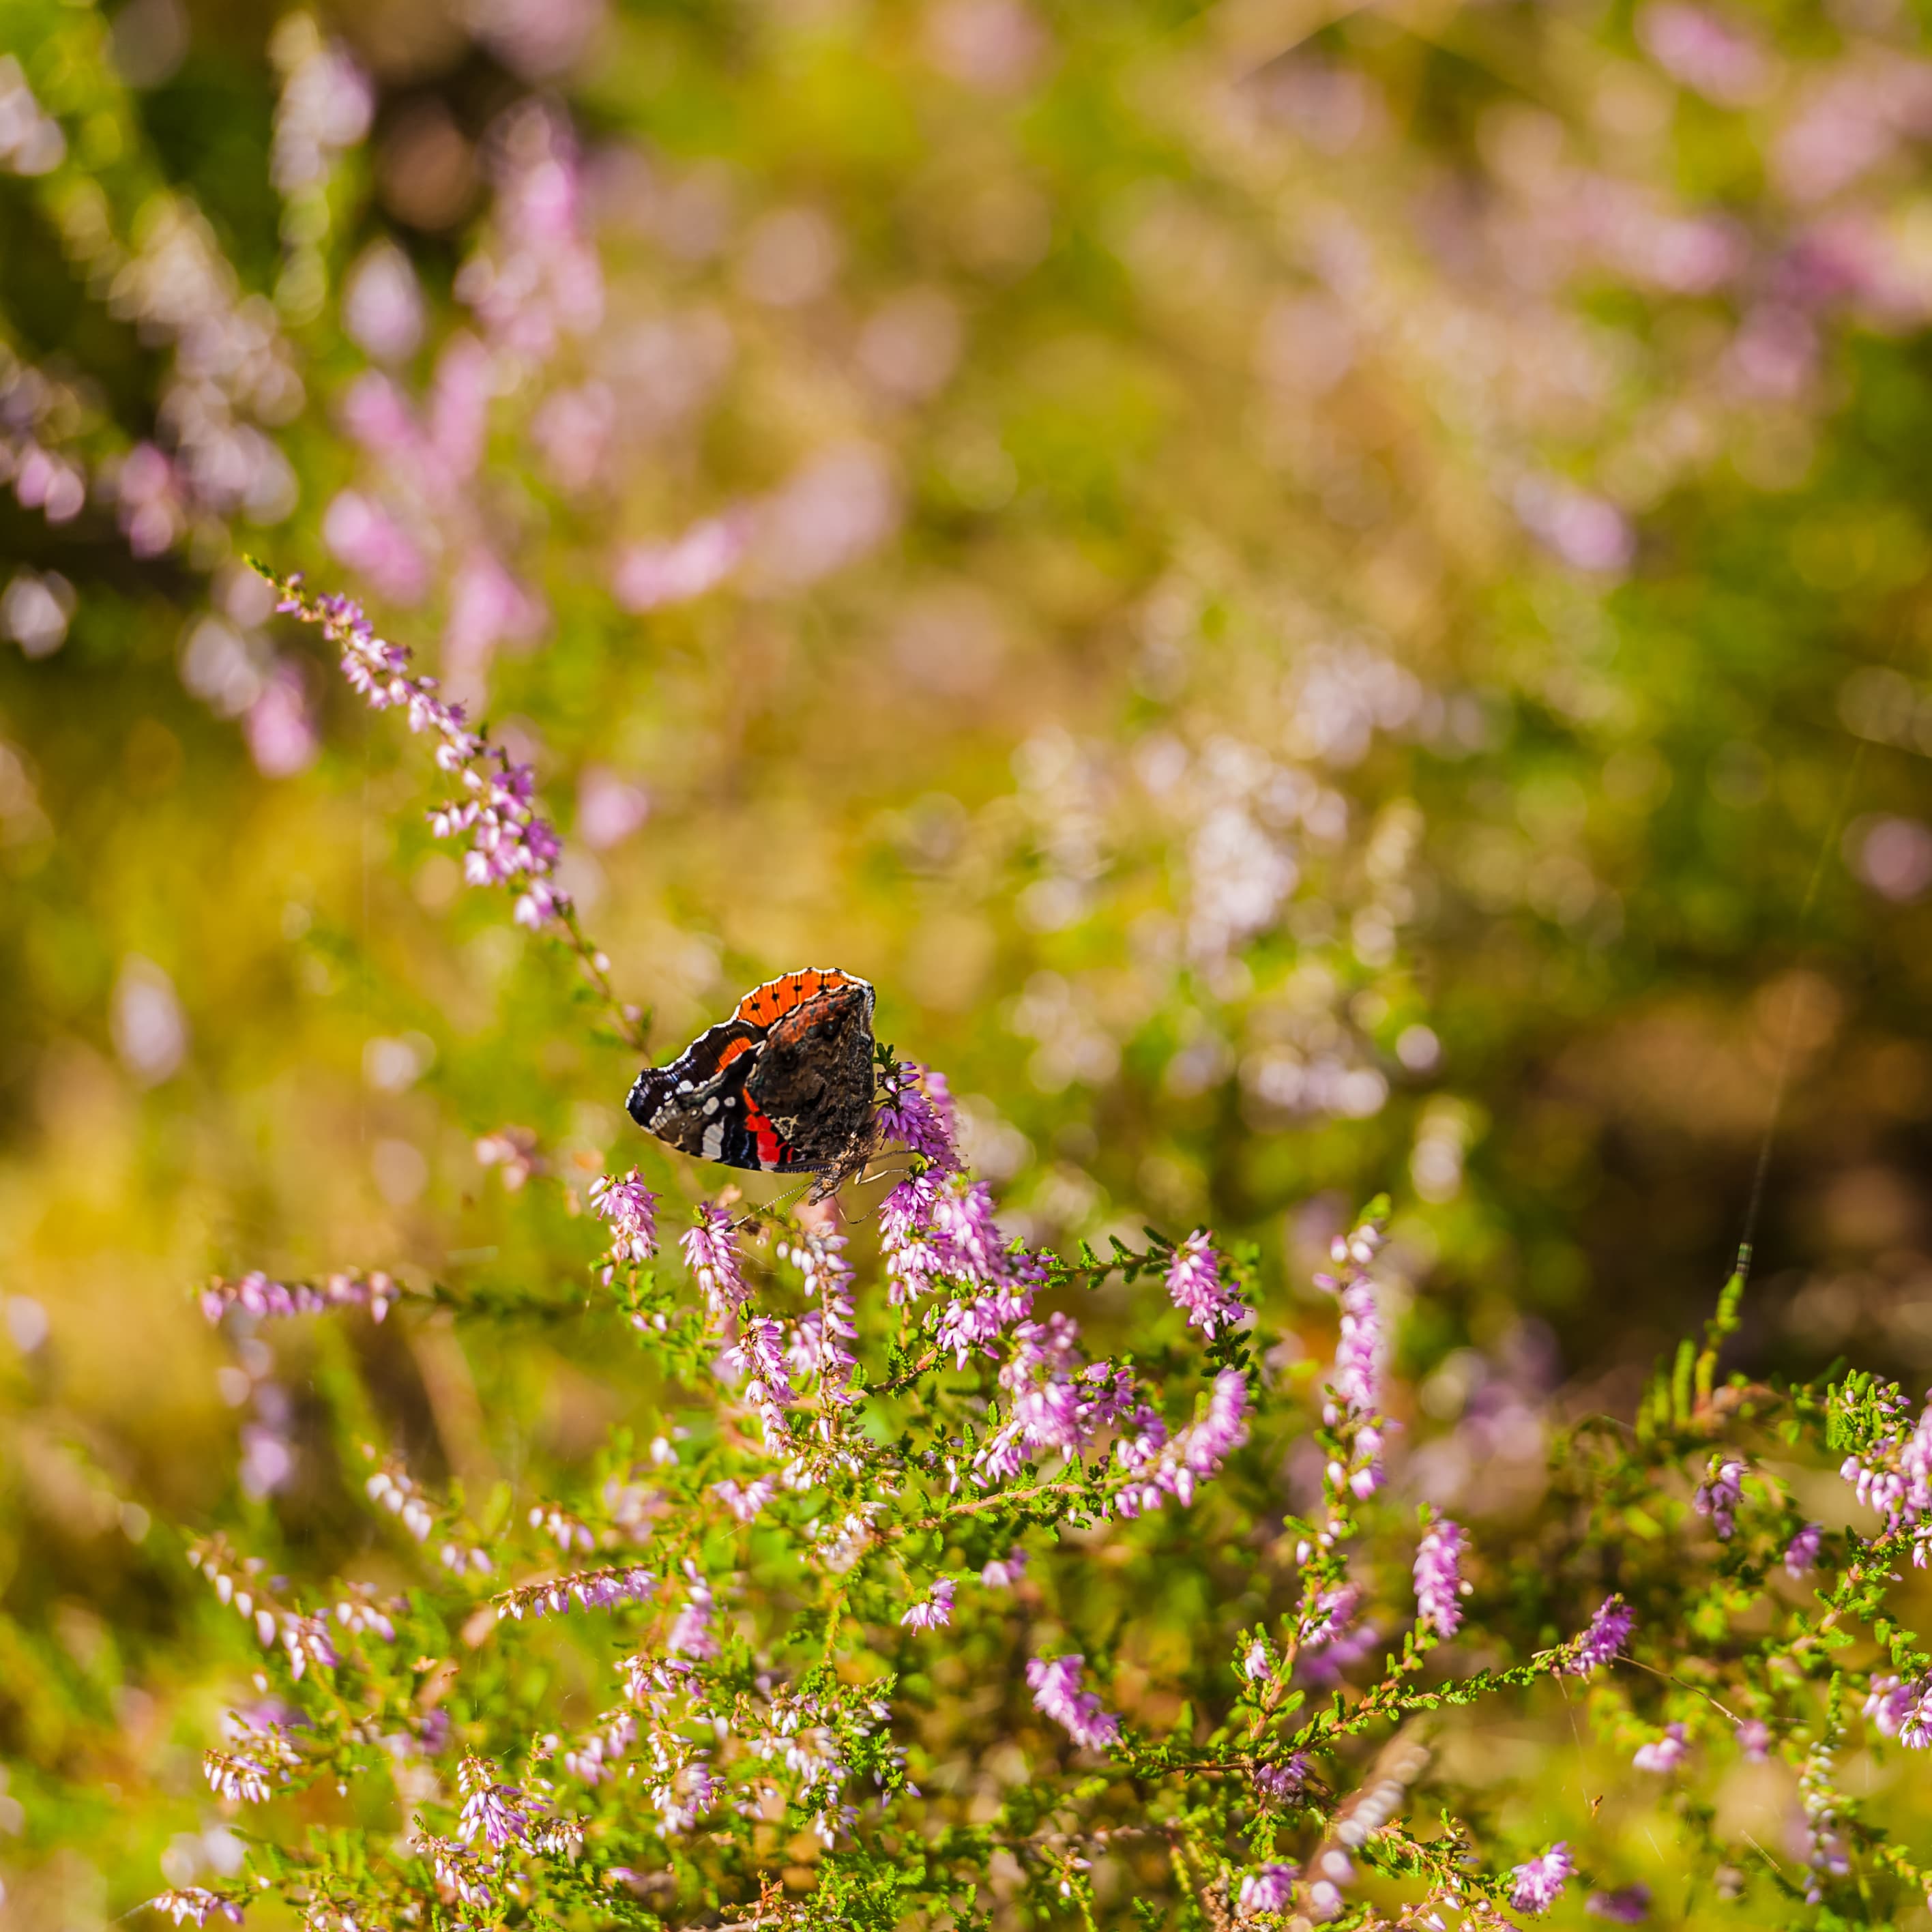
699, 1105
784, 1085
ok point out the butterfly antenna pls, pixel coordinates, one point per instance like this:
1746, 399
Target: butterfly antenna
778, 1206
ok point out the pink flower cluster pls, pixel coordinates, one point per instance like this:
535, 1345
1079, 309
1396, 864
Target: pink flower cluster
1439, 1587
1194, 1282
1158, 1467
820, 1342
1895, 1476
1608, 1632
1354, 1394
509, 844
1535, 1887
1664, 1753
197, 1903
1055, 1685
711, 1253
933, 1611
917, 1113
1902, 1710
1057, 1399
1719, 1495
256, 1294
586, 1589
1267, 1888
631, 1210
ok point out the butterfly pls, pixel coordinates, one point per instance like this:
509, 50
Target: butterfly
784, 1086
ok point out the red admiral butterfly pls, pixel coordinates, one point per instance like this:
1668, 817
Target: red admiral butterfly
784, 1085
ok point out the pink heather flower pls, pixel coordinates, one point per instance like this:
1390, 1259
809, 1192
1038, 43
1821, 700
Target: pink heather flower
1902, 1710
1754, 1737
1194, 1281
489, 1808
917, 1113
935, 1612
760, 1348
198, 1902
1254, 1664
281, 736
631, 1210
1535, 1887
1329, 1615
1801, 1552
711, 1253
1719, 1495
647, 576
818, 1346
1267, 1888
1003, 1572
690, 1634
745, 1504
1336, 1645
1630, 1906
255, 1293
1664, 1753
1439, 1587
1608, 1631
509, 844
1276, 1783
1055, 1684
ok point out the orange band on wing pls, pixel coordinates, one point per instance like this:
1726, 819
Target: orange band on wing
731, 1053
777, 998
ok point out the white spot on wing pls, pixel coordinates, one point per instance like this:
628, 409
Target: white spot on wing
713, 1143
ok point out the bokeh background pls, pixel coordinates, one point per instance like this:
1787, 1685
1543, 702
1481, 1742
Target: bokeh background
1326, 599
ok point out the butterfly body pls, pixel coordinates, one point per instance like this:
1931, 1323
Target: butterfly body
783, 1086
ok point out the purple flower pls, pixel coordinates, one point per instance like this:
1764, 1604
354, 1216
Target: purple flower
1664, 1753
917, 1113
489, 1808
1055, 1684
198, 1902
745, 1504
1194, 1281
1003, 1572
818, 1346
647, 576
711, 1253
631, 1210
690, 1634
1158, 1468
256, 1295
1267, 1888
760, 1348
509, 844
934, 1612
1719, 1495
590, 1589
1610, 1630
1902, 1710
1630, 1906
1535, 1887
1754, 1737
1276, 1783
1439, 1588
1801, 1552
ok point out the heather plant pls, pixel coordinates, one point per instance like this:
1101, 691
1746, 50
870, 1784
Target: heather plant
1294, 586
882, 1514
